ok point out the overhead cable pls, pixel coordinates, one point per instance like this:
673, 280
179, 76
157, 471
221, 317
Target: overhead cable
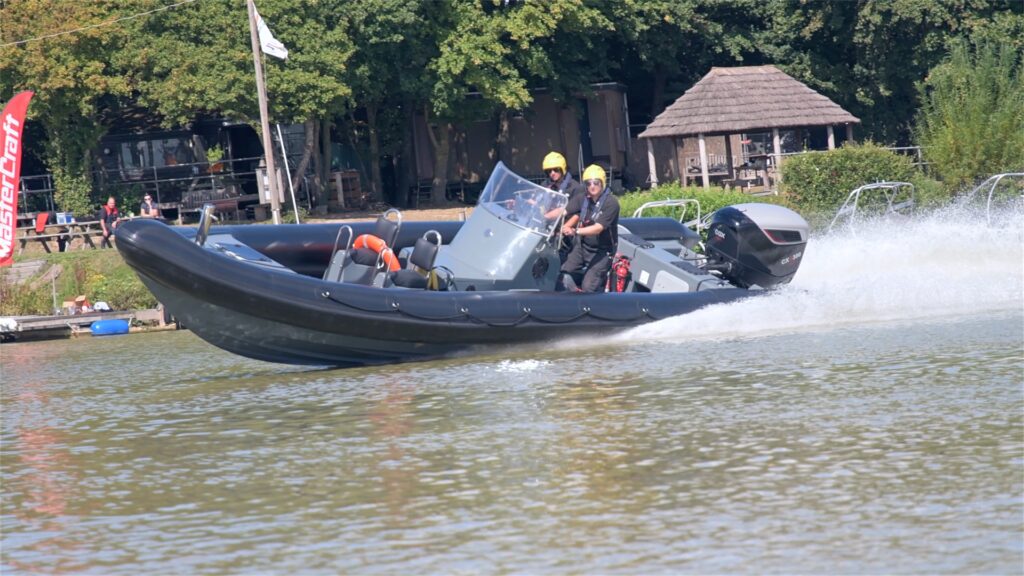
101, 24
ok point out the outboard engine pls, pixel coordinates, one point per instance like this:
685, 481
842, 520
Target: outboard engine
756, 244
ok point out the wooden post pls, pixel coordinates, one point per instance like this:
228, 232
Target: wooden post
831, 137
268, 149
728, 157
703, 161
680, 173
651, 164
849, 132
777, 145
339, 184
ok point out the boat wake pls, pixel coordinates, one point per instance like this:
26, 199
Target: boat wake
943, 264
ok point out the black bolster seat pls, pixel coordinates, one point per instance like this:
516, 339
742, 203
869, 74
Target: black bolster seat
365, 256
421, 261
387, 230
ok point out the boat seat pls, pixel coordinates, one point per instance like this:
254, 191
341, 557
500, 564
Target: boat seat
363, 265
346, 267
339, 258
386, 229
421, 272
355, 273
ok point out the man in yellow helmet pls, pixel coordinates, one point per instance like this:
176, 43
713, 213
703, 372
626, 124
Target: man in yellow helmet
560, 180
596, 235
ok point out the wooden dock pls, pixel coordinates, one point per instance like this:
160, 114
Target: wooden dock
25, 328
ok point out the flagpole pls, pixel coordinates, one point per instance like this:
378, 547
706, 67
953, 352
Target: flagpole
261, 89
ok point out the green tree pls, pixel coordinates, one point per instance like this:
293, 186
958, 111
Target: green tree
197, 60
474, 54
71, 75
972, 122
391, 50
499, 51
665, 38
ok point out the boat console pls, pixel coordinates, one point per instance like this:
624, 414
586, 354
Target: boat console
510, 241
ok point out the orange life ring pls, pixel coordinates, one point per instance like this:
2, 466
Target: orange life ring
380, 247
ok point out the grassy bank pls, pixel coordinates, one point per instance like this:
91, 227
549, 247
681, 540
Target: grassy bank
101, 275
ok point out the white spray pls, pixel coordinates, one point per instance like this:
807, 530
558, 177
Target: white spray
947, 263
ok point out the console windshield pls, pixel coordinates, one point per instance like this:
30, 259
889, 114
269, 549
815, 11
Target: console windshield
521, 202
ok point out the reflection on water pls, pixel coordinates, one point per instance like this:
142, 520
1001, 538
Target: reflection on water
46, 488
880, 448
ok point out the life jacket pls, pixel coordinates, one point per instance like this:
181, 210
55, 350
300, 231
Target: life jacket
589, 211
109, 214
586, 214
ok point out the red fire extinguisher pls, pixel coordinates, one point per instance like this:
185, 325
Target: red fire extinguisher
620, 274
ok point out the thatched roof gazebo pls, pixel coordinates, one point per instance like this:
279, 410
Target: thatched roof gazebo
745, 99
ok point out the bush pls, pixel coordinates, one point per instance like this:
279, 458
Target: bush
22, 299
289, 216
819, 182
72, 192
970, 125
710, 200
928, 192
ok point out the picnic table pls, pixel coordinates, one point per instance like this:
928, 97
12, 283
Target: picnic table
67, 232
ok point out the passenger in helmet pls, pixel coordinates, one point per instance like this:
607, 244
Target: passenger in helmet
595, 236
558, 178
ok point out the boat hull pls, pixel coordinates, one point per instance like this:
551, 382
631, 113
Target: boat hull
297, 318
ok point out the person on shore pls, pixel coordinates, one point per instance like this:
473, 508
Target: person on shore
556, 169
595, 236
148, 209
108, 217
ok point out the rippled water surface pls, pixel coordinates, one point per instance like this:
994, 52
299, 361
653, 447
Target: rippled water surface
839, 427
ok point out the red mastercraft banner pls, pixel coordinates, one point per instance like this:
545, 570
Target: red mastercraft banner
11, 123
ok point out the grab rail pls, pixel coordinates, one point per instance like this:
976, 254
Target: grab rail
992, 189
206, 218
348, 243
896, 200
696, 223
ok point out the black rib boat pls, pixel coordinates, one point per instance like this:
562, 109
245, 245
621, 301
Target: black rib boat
320, 294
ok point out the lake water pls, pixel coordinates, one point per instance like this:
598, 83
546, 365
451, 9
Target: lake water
867, 419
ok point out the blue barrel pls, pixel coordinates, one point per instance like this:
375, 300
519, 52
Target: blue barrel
108, 327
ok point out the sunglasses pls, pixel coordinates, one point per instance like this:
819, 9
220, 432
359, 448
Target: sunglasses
594, 182
559, 170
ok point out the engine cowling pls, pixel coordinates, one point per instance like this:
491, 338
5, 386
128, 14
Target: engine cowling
756, 244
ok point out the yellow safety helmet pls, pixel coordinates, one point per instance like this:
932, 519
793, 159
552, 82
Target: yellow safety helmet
595, 172
554, 160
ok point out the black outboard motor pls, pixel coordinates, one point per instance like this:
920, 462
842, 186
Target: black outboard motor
756, 244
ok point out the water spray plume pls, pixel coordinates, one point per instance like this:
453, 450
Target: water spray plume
944, 264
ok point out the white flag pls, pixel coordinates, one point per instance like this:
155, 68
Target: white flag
270, 45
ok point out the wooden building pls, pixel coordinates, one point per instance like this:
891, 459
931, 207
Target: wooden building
594, 128
736, 124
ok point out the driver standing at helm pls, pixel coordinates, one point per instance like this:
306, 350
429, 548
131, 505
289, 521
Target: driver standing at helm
595, 236
560, 180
